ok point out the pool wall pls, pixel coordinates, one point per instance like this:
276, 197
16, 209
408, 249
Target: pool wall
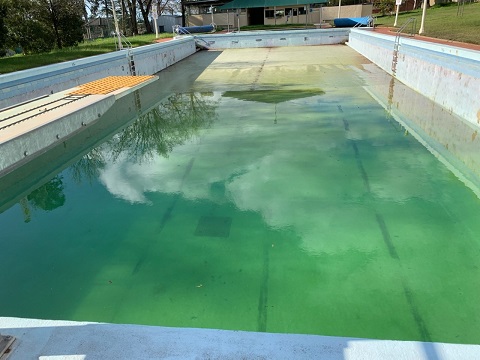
53, 156
25, 85
448, 75
451, 139
254, 39
20, 149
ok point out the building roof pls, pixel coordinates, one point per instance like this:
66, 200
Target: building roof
240, 4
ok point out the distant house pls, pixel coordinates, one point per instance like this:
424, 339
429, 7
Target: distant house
235, 13
166, 23
98, 28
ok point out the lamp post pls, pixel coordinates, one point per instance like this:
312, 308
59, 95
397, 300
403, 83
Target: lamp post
398, 3
155, 17
424, 12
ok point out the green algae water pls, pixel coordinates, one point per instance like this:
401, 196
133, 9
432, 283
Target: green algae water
251, 190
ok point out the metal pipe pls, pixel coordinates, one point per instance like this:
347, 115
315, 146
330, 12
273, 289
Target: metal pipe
120, 46
424, 12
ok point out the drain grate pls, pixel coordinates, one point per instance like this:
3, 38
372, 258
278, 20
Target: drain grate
214, 226
6, 342
109, 84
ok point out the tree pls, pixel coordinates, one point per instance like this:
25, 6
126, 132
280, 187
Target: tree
384, 6
25, 29
3, 28
38, 25
65, 17
145, 7
163, 6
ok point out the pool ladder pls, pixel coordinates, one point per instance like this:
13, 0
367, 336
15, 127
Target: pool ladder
396, 44
130, 58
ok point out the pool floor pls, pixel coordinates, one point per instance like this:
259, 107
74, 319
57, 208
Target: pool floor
266, 190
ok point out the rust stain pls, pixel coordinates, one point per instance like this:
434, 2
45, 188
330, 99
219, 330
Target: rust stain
474, 135
478, 116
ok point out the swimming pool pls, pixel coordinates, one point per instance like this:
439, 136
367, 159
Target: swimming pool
258, 190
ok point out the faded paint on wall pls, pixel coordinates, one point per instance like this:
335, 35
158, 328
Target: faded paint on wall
448, 75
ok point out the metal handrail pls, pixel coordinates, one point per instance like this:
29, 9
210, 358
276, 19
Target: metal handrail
176, 30
370, 22
207, 44
396, 44
412, 21
124, 39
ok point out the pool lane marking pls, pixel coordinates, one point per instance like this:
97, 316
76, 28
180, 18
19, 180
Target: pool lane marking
263, 297
387, 239
386, 236
257, 77
422, 327
366, 182
166, 216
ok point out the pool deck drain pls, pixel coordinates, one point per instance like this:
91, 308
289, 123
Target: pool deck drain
6, 342
109, 84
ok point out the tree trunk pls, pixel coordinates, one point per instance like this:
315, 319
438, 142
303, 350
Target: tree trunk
124, 16
145, 10
54, 18
132, 7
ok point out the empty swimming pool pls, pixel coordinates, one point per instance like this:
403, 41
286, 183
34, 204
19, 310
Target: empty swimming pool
255, 189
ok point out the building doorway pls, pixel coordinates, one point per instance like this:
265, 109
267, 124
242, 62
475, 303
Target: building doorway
255, 16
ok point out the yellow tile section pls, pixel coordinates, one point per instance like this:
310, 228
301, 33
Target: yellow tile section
109, 84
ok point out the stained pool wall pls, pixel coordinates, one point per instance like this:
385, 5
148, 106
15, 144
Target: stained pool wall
28, 84
448, 75
254, 39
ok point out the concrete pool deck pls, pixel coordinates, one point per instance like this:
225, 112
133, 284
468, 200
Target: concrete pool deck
393, 32
68, 340
31, 127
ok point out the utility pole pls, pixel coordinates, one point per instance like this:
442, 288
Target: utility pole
117, 30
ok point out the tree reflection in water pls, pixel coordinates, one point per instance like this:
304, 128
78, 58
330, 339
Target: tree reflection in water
88, 167
170, 123
47, 197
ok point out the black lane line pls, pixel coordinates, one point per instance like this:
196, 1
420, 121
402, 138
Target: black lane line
166, 216
263, 298
422, 327
387, 239
366, 182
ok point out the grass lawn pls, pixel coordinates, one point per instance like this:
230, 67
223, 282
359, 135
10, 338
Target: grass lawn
85, 49
442, 22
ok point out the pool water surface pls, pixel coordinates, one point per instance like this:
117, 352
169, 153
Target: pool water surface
254, 189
